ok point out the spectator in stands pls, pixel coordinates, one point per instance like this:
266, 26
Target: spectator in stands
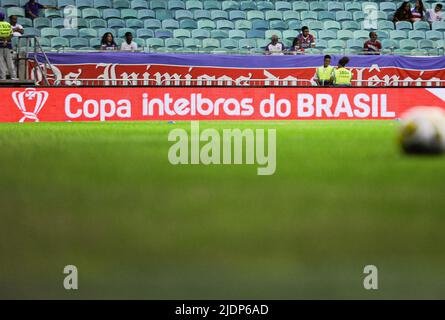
6, 62
342, 76
372, 46
304, 40
129, 44
324, 74
32, 9
107, 42
418, 11
275, 47
17, 29
435, 14
403, 13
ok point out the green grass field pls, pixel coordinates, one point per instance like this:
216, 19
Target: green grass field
104, 197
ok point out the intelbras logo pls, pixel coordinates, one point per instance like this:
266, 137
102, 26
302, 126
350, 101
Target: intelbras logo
30, 102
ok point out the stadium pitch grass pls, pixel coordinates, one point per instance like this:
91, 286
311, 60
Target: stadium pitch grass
104, 197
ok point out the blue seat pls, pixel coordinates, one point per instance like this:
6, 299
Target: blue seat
111, 14
248, 5
188, 24
229, 5
116, 23
256, 34
229, 44
354, 44
308, 15
200, 34
138, 4
97, 23
162, 34
416, 34
201, 14
219, 15
434, 35
158, 4
326, 15
343, 16
327, 34
278, 25
219, 34
183, 14
78, 43
225, 25
87, 33
152, 24
265, 5
237, 15
237, 34
170, 24
260, 25
134, 23
404, 25
175, 5
145, 33
102, 4
146, 14
121, 4
300, 6
283, 6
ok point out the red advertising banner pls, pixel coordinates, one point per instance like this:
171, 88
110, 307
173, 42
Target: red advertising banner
211, 103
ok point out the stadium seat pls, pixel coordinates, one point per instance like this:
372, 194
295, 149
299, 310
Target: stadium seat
122, 31
212, 5
146, 33
270, 33
283, 6
224, 25
25, 22
326, 16
308, 15
265, 5
359, 16
175, 5
219, 34
158, 4
389, 44
229, 5
200, 34
183, 14
41, 22
361, 35
407, 44
290, 34
354, 44
192, 43
332, 25
56, 23
162, 14
49, 32
134, 23
294, 24
31, 32
235, 15
65, 3
129, 14
171, 24
369, 5
116, 23
78, 43
255, 15
353, 6
219, 15
102, 31
193, 5
382, 34
154, 43
87, 33
243, 25
152, 24
344, 35
111, 14
201, 14
315, 25
426, 44
210, 43
181, 33
163, 34
385, 25
300, 6
278, 25
102, 4
90, 13
335, 6
59, 42
397, 34
146, 14
8, 3
438, 26
229, 44
138, 4
252, 34
421, 25
173, 43
322, 44
350, 25
246, 44
416, 34
206, 24
318, 6
327, 34
52, 13
343, 16
188, 24
82, 4
291, 15
97, 23
389, 7
336, 44
434, 35
248, 5
237, 34
273, 15
404, 25
261, 44
121, 4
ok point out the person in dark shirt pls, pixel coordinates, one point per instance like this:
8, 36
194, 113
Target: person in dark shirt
403, 13
32, 9
107, 42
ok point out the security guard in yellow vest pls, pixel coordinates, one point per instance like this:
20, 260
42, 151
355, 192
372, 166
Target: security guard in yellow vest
324, 74
342, 76
6, 62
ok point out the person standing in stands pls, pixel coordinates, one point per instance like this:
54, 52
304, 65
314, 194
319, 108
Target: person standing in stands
304, 40
275, 47
435, 14
403, 13
32, 9
372, 46
129, 44
342, 76
107, 42
17, 29
418, 11
324, 74
6, 62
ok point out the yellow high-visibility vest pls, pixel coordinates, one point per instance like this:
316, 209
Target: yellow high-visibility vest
324, 74
5, 29
342, 76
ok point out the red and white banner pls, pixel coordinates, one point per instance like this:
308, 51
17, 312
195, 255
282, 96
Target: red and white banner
211, 103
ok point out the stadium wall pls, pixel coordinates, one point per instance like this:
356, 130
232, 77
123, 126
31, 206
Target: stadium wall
174, 68
210, 103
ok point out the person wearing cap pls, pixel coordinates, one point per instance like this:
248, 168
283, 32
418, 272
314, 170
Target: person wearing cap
342, 76
324, 74
275, 47
32, 9
6, 62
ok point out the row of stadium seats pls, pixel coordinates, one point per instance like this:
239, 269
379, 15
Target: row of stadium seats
220, 5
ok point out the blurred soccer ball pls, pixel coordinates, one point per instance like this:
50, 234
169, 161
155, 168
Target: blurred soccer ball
422, 130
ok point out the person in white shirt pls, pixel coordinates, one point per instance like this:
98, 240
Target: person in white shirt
275, 47
17, 29
435, 14
129, 44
